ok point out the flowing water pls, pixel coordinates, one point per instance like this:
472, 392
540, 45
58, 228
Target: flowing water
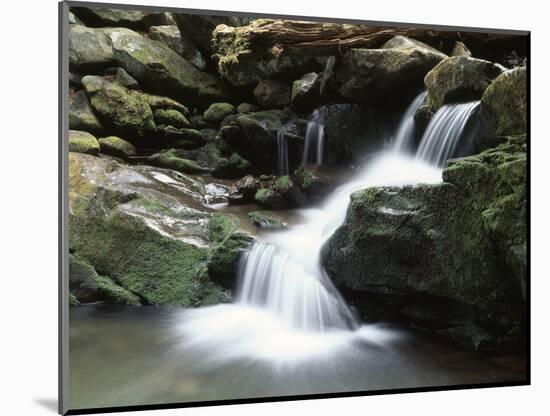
314, 140
282, 152
289, 330
444, 132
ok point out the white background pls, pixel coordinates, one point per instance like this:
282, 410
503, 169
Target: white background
28, 204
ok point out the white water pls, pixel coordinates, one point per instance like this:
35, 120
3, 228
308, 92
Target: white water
287, 308
403, 139
444, 132
314, 140
282, 152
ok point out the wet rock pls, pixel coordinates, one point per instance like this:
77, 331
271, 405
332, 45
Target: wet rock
328, 85
459, 78
305, 93
89, 49
145, 228
504, 103
81, 115
127, 113
171, 117
86, 286
217, 112
270, 198
83, 142
272, 94
115, 146
228, 242
176, 159
161, 70
265, 220
189, 138
441, 265
393, 72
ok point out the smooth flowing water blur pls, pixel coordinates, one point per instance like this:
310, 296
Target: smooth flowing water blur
140, 355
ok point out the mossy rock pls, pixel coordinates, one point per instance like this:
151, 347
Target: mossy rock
172, 159
171, 117
394, 71
141, 234
449, 256
83, 142
504, 103
162, 71
217, 112
115, 146
270, 199
189, 138
128, 114
244, 108
81, 115
263, 220
227, 243
89, 49
305, 92
86, 286
459, 78
104, 17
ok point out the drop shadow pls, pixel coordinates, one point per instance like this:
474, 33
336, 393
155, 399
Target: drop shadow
48, 404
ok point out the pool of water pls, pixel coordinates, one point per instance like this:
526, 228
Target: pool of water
122, 356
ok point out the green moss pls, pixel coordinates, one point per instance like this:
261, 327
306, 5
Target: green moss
261, 219
171, 117
73, 301
262, 195
217, 112
116, 146
283, 184
227, 243
87, 286
127, 113
83, 142
171, 159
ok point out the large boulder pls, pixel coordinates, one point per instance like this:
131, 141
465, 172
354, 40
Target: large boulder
161, 70
217, 112
81, 115
170, 35
144, 228
83, 142
504, 103
459, 78
448, 256
126, 112
104, 17
271, 94
89, 49
389, 74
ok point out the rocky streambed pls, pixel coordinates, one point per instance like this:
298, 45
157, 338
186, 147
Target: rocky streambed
175, 129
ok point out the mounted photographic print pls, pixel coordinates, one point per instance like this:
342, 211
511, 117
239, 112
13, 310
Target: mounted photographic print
260, 208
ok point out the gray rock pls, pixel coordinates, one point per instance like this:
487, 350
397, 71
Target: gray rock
81, 115
305, 93
89, 49
272, 94
170, 35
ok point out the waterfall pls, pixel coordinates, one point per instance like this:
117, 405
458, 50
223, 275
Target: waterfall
314, 140
286, 307
403, 139
282, 152
444, 132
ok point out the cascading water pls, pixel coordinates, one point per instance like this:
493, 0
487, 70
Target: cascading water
314, 140
402, 141
282, 152
441, 138
287, 308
